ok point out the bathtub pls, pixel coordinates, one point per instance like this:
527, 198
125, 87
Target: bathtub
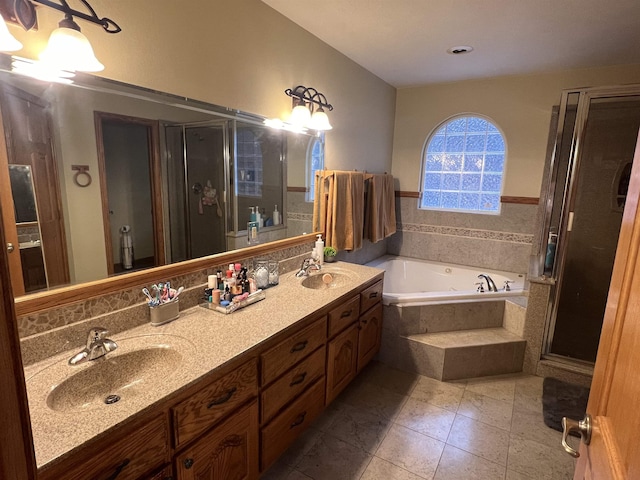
410, 281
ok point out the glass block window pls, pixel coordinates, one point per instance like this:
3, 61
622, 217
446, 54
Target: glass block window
249, 163
315, 161
463, 166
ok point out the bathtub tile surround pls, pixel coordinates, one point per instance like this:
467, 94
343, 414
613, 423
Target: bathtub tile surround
499, 242
464, 442
449, 341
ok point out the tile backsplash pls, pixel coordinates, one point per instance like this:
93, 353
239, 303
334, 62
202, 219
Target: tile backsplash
57, 329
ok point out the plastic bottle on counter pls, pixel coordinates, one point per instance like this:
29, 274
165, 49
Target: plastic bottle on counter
319, 250
276, 216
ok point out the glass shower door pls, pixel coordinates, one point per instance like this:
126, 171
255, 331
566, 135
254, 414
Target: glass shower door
596, 182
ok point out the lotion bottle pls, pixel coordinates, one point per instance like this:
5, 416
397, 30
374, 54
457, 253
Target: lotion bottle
276, 216
320, 250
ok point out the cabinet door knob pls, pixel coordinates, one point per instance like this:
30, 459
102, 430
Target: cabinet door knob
10, 247
188, 463
223, 398
299, 346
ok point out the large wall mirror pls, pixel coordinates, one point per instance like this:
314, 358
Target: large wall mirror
124, 179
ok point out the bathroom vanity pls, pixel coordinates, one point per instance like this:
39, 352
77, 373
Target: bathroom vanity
211, 396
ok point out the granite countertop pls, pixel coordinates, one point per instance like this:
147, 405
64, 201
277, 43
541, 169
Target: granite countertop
204, 339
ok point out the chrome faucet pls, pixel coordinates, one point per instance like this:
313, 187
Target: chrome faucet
97, 346
491, 286
308, 264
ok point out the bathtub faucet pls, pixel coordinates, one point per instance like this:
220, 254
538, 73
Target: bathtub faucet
491, 286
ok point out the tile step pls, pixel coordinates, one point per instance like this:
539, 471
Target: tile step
466, 338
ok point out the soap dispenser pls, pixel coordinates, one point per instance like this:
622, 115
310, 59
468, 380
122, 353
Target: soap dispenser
319, 249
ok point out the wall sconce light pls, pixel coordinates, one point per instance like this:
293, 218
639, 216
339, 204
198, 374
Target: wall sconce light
68, 49
308, 108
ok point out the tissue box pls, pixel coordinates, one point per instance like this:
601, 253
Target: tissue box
165, 313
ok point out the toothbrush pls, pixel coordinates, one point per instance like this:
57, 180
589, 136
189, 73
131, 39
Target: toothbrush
152, 301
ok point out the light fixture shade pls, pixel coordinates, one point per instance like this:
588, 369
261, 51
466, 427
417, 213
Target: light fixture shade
70, 50
320, 121
8, 42
300, 116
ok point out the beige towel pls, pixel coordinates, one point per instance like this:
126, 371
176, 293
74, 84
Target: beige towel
389, 206
338, 208
381, 211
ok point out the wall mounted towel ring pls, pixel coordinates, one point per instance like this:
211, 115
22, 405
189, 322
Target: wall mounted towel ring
81, 170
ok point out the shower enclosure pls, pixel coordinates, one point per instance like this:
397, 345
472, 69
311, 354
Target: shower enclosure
590, 170
215, 172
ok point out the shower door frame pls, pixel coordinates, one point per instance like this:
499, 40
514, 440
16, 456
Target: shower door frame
586, 95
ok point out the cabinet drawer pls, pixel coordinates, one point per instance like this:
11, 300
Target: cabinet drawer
285, 428
371, 296
291, 384
344, 315
228, 451
127, 458
289, 352
194, 415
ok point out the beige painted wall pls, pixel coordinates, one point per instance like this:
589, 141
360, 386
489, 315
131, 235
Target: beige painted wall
519, 105
240, 54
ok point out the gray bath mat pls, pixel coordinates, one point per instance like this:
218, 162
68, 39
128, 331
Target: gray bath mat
562, 399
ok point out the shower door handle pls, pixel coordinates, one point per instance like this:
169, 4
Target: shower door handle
583, 427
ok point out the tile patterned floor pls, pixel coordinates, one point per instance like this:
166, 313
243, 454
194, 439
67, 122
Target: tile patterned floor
392, 425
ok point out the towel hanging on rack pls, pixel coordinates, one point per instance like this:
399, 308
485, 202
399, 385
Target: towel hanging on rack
339, 208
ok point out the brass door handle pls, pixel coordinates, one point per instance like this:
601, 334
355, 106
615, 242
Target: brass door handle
10, 247
583, 427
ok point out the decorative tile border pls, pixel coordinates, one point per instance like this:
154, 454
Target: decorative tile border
308, 217
467, 232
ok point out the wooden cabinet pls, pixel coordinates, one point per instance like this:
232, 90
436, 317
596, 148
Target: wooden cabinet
342, 361
197, 413
236, 425
279, 434
290, 351
344, 315
227, 452
291, 384
351, 350
127, 457
370, 296
370, 335
165, 473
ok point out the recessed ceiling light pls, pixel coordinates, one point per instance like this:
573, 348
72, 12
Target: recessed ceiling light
460, 49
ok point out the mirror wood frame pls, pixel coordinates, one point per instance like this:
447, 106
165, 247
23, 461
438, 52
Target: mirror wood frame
75, 293
64, 295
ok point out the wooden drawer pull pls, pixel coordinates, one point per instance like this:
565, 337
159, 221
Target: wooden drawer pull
299, 419
223, 398
346, 314
299, 346
119, 469
373, 294
298, 379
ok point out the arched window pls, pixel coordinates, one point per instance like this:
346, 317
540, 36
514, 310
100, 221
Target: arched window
464, 162
315, 161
